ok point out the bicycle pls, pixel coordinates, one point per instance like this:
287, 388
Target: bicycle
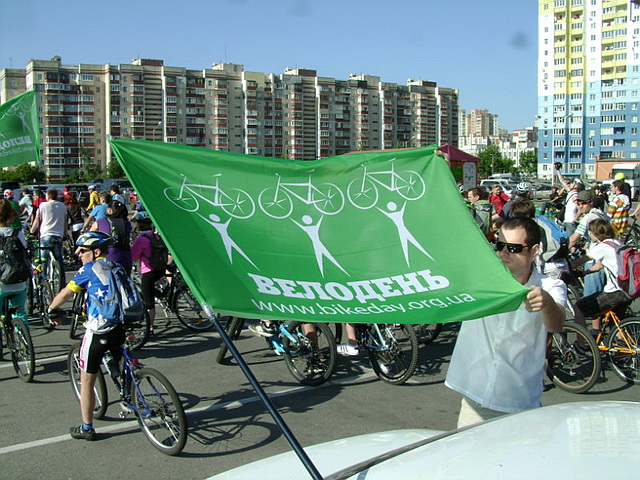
235, 202
392, 350
137, 333
39, 290
277, 202
16, 337
143, 391
622, 344
573, 360
310, 355
173, 296
52, 268
632, 236
363, 192
427, 332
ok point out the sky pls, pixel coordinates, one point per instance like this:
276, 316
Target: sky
485, 49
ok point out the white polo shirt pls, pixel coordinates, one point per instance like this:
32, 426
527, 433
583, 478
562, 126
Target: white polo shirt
498, 361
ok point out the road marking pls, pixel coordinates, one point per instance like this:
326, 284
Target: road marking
125, 425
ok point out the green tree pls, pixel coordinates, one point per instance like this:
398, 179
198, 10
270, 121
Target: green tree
492, 161
25, 173
529, 162
114, 170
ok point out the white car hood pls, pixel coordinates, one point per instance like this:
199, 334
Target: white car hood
576, 440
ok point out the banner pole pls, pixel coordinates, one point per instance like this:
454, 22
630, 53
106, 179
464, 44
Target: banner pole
293, 441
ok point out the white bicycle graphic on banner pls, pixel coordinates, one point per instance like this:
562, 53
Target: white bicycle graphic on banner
363, 192
277, 202
233, 201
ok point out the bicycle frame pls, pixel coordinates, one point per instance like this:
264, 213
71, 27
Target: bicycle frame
373, 176
216, 195
364, 334
309, 186
610, 320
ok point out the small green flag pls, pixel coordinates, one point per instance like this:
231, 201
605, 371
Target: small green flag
380, 237
19, 130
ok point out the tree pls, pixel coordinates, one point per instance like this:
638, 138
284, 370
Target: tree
24, 173
529, 162
492, 161
114, 170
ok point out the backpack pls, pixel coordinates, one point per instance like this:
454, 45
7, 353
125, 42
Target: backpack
482, 211
159, 253
118, 231
122, 302
15, 266
628, 269
554, 240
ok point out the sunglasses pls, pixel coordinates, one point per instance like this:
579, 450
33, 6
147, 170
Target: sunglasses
81, 251
511, 247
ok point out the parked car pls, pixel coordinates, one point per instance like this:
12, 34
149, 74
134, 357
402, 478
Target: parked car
581, 440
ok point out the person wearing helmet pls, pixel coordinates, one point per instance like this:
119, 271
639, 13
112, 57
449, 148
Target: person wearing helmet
569, 216
94, 200
17, 224
101, 335
522, 192
626, 188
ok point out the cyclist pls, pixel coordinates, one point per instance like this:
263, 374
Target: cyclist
141, 251
619, 206
17, 291
94, 200
572, 187
51, 223
101, 335
604, 254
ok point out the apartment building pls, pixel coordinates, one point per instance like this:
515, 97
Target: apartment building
588, 83
296, 114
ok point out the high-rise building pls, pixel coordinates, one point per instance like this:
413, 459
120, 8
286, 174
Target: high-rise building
588, 83
296, 115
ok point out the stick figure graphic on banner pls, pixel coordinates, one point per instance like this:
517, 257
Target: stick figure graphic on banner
313, 231
223, 229
397, 217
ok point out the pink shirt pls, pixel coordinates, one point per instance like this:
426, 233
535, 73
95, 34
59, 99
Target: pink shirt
141, 250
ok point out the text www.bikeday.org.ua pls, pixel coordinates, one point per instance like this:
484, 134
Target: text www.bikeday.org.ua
370, 309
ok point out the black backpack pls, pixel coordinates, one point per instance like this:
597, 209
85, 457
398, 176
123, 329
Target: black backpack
159, 253
14, 262
119, 233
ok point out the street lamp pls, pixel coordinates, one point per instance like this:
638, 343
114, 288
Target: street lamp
154, 130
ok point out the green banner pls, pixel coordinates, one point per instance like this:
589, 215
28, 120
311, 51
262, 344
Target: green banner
380, 237
19, 130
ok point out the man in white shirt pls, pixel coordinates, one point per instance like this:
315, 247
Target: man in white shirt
498, 361
51, 224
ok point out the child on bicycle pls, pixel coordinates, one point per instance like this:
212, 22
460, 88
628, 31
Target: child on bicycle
605, 254
102, 334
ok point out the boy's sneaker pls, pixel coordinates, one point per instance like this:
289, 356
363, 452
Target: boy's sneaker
263, 330
347, 350
82, 434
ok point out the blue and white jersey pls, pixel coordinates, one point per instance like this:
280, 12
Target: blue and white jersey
94, 278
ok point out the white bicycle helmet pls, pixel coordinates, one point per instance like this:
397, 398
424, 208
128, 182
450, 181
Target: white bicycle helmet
523, 188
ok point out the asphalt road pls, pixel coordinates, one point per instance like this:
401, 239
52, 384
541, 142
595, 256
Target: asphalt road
228, 424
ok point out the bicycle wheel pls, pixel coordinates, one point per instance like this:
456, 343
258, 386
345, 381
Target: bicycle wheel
100, 387
31, 296
632, 237
274, 206
396, 362
572, 300
78, 314
45, 297
428, 332
362, 194
573, 358
159, 411
624, 350
237, 203
328, 199
181, 198
233, 327
137, 333
54, 273
189, 311
410, 185
23, 356
311, 358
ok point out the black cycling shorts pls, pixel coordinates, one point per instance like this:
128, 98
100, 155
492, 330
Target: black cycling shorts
147, 287
599, 302
94, 346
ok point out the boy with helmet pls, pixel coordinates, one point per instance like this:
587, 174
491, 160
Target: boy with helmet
101, 335
626, 188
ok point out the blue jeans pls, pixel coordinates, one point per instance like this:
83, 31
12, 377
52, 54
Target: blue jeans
56, 243
19, 300
594, 282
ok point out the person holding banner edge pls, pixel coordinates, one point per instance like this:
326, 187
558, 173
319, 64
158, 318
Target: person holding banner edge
498, 361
